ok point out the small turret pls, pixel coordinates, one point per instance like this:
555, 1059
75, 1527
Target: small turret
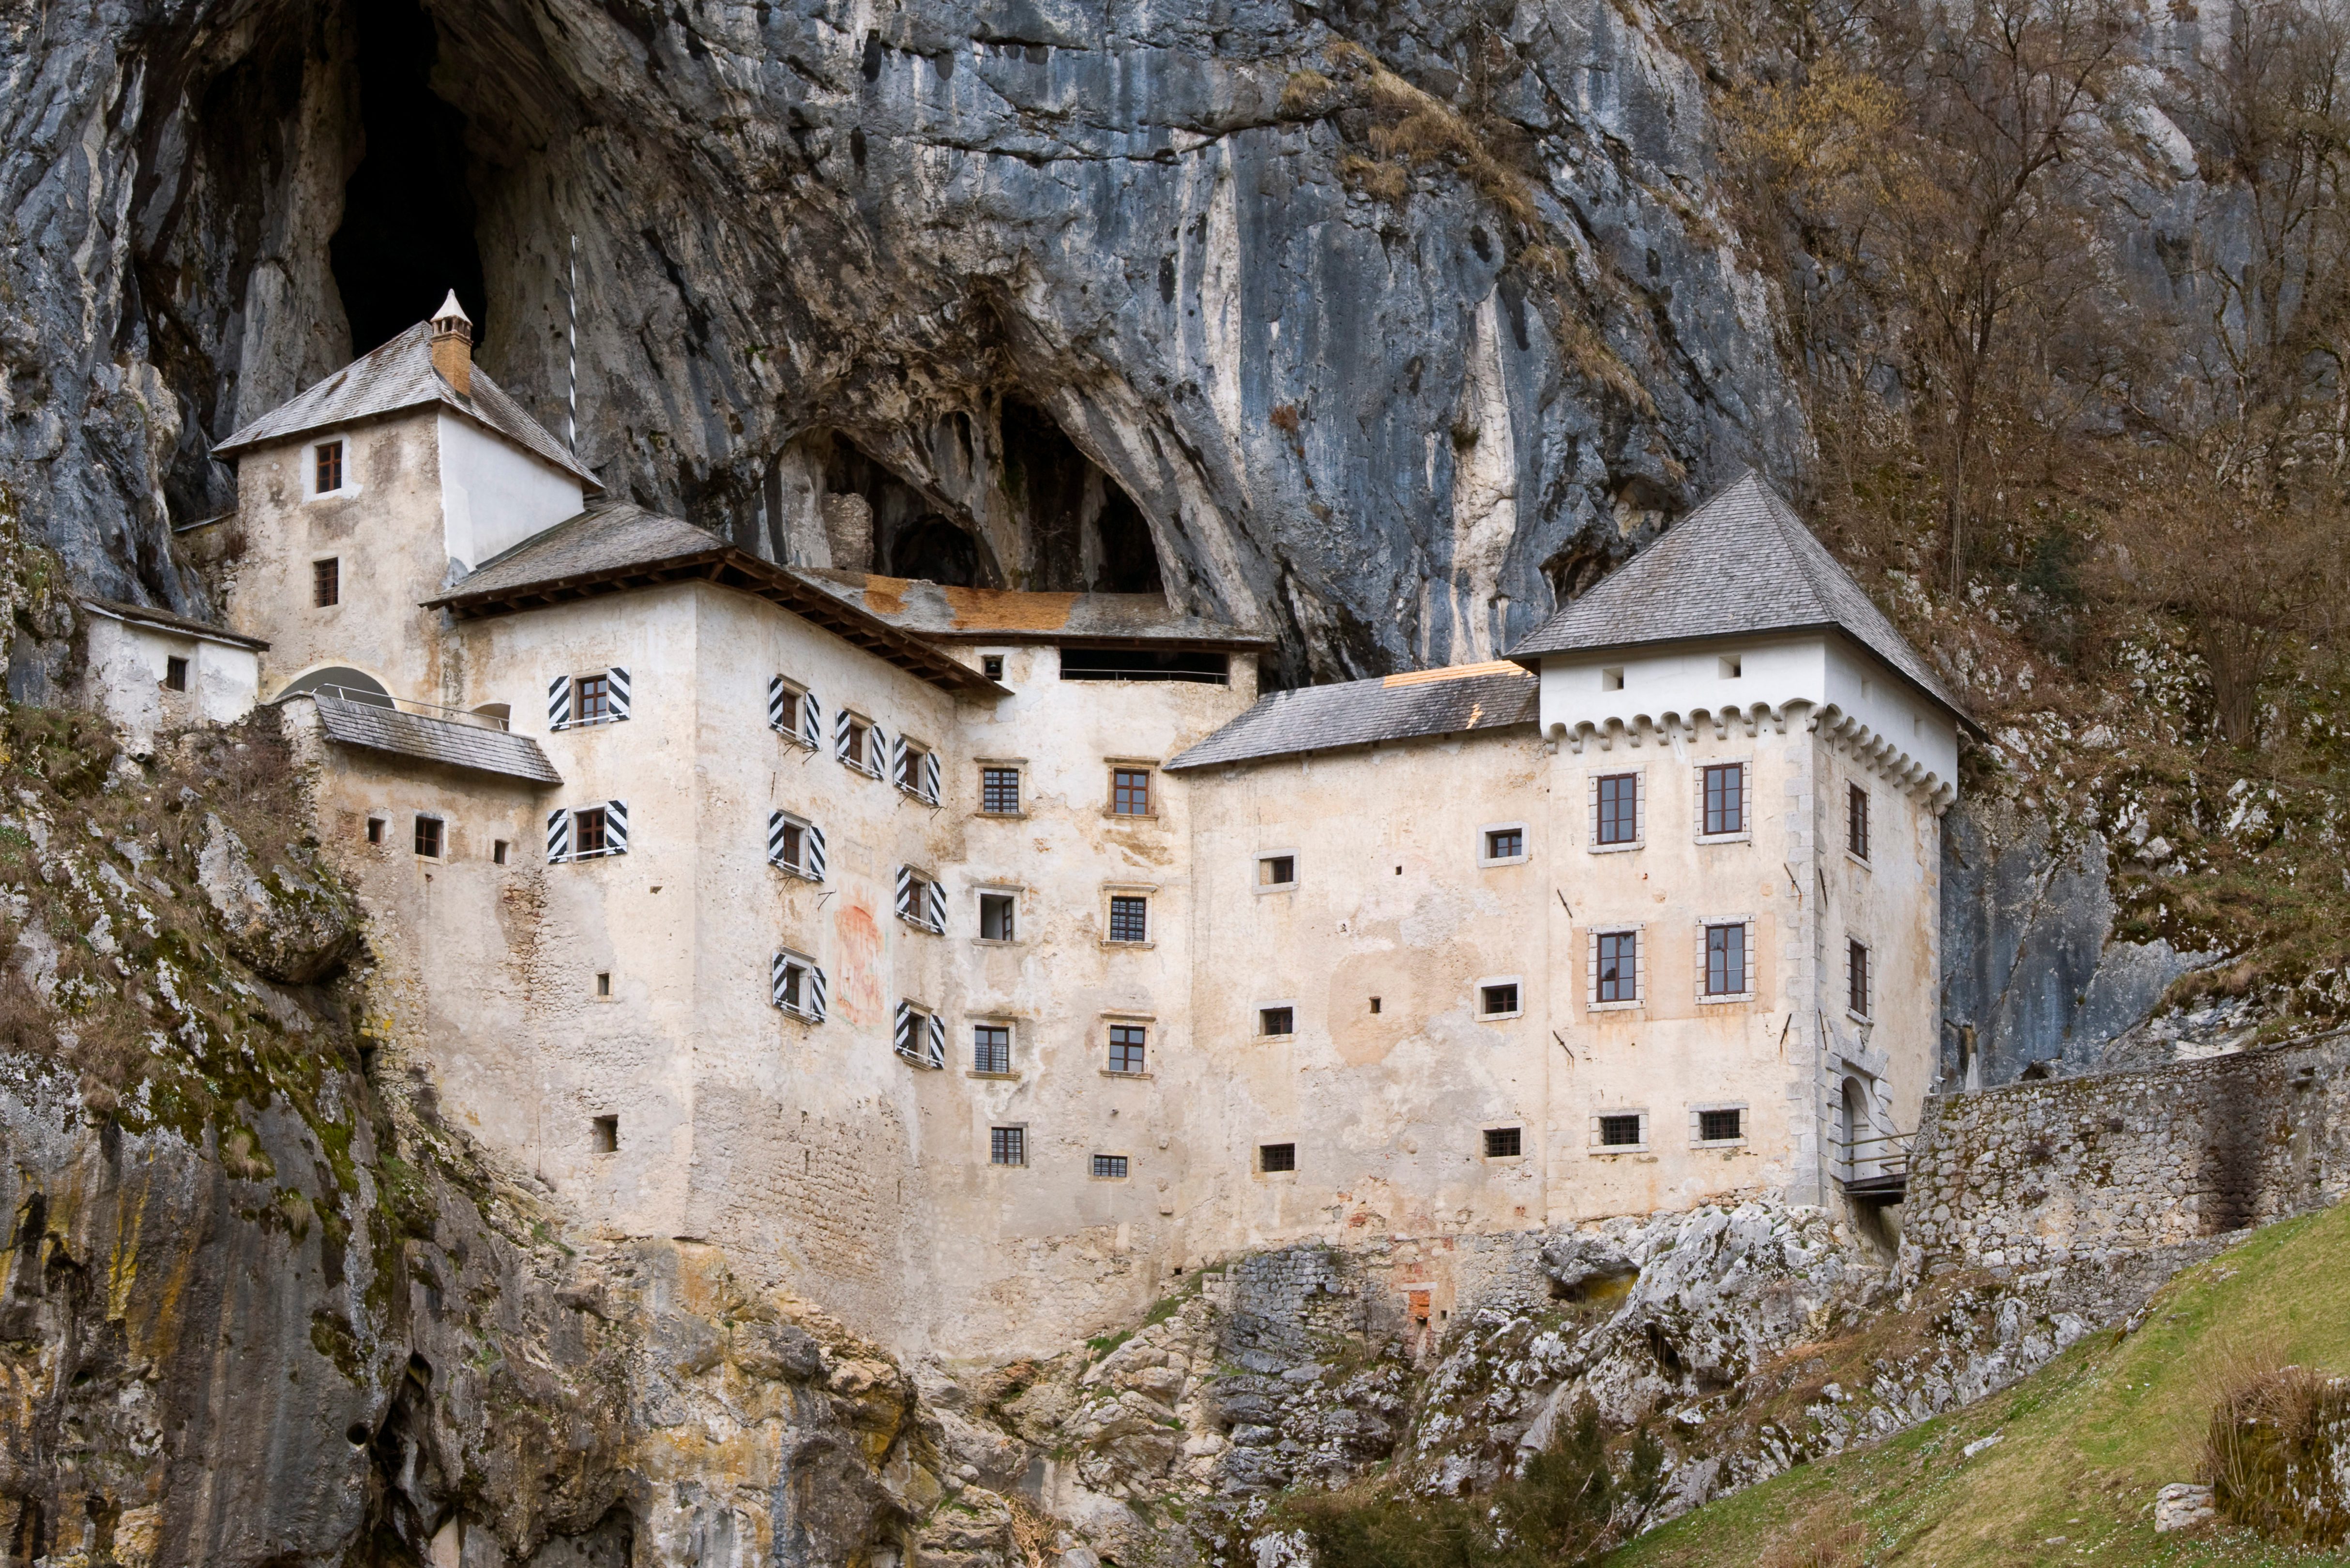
452, 345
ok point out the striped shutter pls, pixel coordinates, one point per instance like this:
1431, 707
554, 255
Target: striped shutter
558, 703
898, 760
778, 704
930, 777
811, 720
935, 1055
616, 828
907, 1023
877, 740
935, 916
617, 684
778, 971
905, 894
814, 992
558, 836
840, 736
777, 822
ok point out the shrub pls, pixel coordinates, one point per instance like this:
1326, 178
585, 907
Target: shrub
2277, 1451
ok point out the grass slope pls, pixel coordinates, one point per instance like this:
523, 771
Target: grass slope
2083, 1446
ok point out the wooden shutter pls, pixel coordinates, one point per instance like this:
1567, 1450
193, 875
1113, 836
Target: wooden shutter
558, 836
778, 971
617, 683
936, 1054
898, 761
812, 853
930, 777
776, 823
875, 740
935, 915
558, 703
907, 1023
840, 736
616, 828
779, 703
814, 992
811, 720
905, 894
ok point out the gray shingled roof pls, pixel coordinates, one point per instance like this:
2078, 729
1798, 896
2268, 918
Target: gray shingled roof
1355, 712
601, 540
1742, 563
443, 740
148, 615
397, 377
949, 614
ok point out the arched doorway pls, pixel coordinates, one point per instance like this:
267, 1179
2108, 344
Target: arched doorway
339, 681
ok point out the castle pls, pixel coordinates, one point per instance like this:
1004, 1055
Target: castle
975, 962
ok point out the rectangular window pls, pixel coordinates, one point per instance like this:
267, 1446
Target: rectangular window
793, 990
1276, 1020
1492, 1000
796, 985
992, 666
1007, 1146
603, 982
791, 845
991, 1048
1855, 821
920, 901
1619, 966
604, 1135
1277, 871
175, 674
1619, 809
1505, 843
1620, 1132
1504, 1143
1277, 1157
1857, 978
1720, 1127
910, 760
1725, 959
856, 744
330, 467
428, 837
498, 852
327, 582
1129, 919
1725, 798
590, 831
1129, 791
591, 699
1126, 1048
1109, 1167
375, 830
999, 792
996, 916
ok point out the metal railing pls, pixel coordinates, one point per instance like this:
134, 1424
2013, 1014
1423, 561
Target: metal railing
421, 710
1885, 1172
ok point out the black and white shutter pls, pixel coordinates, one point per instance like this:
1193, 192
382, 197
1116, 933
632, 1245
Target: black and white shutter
558, 703
935, 1055
929, 780
779, 972
811, 721
777, 822
616, 828
898, 761
876, 743
814, 993
616, 682
812, 853
558, 836
934, 914
909, 1022
779, 706
905, 894
840, 736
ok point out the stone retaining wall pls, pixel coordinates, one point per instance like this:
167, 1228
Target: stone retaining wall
2043, 1173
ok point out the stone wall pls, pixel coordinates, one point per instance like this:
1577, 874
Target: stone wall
2045, 1173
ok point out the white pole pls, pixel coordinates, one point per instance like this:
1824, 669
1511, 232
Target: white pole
571, 298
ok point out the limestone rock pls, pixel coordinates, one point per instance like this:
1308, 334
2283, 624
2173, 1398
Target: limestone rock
290, 924
2182, 1506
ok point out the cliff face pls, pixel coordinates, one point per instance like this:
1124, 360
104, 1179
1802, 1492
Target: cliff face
1062, 294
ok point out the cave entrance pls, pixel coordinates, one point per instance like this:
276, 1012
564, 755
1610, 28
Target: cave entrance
877, 522
1083, 531
407, 236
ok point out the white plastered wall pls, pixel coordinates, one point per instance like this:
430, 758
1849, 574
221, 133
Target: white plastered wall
128, 664
493, 494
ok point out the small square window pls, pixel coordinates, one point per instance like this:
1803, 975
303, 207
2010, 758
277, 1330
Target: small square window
1276, 1020
1855, 821
1374, 1005
996, 916
1725, 798
1129, 791
1277, 871
1621, 1132
590, 831
999, 792
1126, 1048
1273, 1158
603, 982
428, 837
1109, 1167
1505, 843
1496, 1001
1611, 679
604, 1135
1129, 919
991, 1048
1619, 809
1720, 1127
1504, 1143
375, 830
175, 674
327, 582
328, 473
498, 852
1732, 667
1007, 1146
992, 666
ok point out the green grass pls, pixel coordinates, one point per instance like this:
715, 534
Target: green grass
2084, 1444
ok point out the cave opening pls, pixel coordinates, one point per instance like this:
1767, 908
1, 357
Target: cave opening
407, 236
1086, 532
902, 532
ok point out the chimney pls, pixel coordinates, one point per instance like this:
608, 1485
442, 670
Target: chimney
452, 345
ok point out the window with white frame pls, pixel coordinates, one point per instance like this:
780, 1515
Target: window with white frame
1717, 1124
920, 1035
999, 917
796, 845
794, 712
914, 769
796, 984
1619, 1132
1613, 971
1724, 791
1725, 959
921, 901
1278, 1019
1619, 810
1499, 997
587, 832
1501, 844
1857, 980
1277, 871
579, 702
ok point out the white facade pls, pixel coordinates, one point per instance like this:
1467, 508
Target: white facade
147, 674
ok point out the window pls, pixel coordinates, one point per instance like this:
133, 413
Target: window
796, 985
1732, 667
1504, 844
1129, 917
794, 712
1504, 1143
1621, 1131
992, 666
1129, 791
327, 582
991, 1048
996, 916
329, 471
375, 830
1619, 809
175, 674
921, 1036
1856, 821
791, 844
591, 699
1007, 1146
920, 901
1619, 966
577, 701
999, 792
1720, 1127
428, 837
604, 1135
1499, 1000
1855, 975
1725, 959
917, 769
1126, 1048
1275, 1157
793, 993
591, 831
796, 845
498, 852
1374, 1005
1109, 1167
1612, 679
603, 982
1277, 871
1276, 1020
1725, 798
856, 745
